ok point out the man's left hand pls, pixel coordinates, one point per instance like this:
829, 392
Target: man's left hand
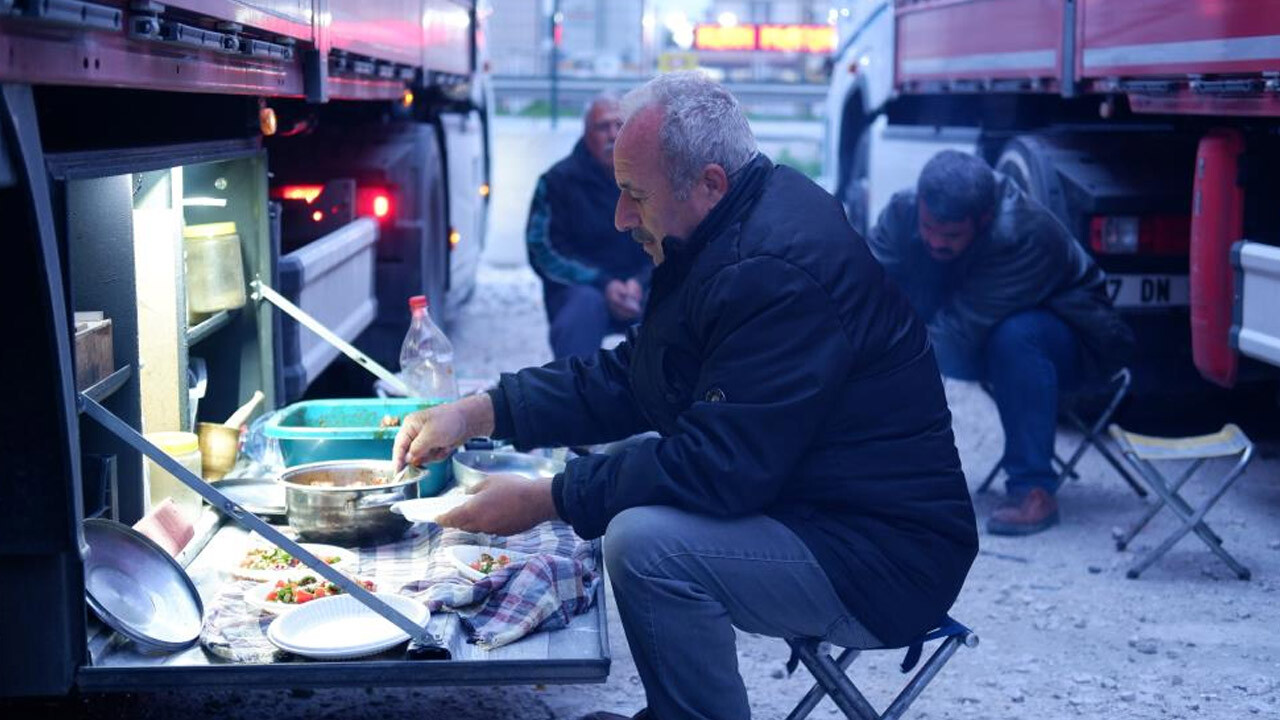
623, 298
503, 505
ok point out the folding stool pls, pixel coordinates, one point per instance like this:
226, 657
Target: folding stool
830, 677
1142, 451
1118, 384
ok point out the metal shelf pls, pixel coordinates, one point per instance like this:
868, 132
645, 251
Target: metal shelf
210, 325
108, 385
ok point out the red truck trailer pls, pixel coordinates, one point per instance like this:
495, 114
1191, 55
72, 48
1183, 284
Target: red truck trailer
1148, 126
334, 149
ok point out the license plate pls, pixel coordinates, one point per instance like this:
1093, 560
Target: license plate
1130, 291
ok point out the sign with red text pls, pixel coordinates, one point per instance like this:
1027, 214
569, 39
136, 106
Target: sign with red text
818, 39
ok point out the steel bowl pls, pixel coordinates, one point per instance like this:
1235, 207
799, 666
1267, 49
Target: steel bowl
472, 466
337, 501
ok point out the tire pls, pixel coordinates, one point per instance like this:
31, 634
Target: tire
855, 196
1028, 161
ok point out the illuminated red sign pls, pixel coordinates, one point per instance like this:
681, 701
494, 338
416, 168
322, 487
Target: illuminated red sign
724, 37
767, 38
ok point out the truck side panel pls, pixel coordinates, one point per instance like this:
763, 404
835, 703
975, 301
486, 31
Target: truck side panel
1133, 38
385, 30
956, 40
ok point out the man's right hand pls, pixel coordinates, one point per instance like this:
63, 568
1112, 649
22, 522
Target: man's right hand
430, 435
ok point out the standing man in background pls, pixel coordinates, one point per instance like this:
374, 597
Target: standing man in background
1011, 300
593, 276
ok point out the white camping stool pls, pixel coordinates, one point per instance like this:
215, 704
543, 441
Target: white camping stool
1142, 451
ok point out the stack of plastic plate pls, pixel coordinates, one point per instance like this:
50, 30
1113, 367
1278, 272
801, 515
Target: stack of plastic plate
340, 627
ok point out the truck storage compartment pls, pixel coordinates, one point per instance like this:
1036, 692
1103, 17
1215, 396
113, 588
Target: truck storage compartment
125, 214
331, 279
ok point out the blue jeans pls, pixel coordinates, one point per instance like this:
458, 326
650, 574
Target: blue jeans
683, 581
579, 318
1030, 358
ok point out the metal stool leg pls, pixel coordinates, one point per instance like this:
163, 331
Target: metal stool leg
1110, 457
1123, 540
817, 692
1094, 437
846, 697
922, 679
1065, 468
1192, 521
991, 477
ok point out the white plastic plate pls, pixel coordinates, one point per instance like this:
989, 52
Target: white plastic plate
341, 627
427, 510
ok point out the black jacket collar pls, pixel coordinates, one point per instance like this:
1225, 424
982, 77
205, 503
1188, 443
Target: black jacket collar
744, 190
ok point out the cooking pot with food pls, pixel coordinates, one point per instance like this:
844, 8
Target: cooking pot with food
346, 502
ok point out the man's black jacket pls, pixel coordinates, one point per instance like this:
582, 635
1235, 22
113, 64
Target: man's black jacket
786, 377
1026, 259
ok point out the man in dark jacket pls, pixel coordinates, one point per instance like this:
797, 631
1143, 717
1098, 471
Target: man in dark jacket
1011, 300
805, 482
593, 276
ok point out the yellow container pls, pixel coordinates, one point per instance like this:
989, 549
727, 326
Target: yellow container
215, 272
185, 448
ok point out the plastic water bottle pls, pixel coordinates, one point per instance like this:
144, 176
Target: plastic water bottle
426, 357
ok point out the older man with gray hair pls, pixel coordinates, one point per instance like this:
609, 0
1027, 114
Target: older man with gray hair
593, 277
805, 480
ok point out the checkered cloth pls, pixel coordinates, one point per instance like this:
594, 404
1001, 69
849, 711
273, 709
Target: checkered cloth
557, 581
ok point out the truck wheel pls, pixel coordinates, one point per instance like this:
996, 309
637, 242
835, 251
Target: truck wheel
1028, 161
856, 193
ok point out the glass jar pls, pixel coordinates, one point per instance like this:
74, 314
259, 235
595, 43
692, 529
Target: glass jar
215, 272
185, 448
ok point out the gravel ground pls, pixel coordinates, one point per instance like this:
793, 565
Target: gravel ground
1063, 632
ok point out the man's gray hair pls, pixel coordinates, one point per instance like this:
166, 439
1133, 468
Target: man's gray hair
604, 97
702, 124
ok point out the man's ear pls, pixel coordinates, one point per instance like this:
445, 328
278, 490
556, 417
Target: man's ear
714, 182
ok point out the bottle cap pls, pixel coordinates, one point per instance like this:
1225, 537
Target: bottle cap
417, 301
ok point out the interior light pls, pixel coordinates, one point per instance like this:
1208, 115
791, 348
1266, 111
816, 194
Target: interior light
204, 202
407, 98
455, 237
306, 193
381, 206
484, 190
317, 216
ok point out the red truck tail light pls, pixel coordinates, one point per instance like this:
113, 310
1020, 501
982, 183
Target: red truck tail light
1140, 235
374, 202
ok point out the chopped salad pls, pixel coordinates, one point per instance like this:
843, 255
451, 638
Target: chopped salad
276, 559
306, 589
487, 563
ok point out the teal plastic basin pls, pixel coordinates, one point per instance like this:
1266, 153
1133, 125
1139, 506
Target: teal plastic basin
317, 430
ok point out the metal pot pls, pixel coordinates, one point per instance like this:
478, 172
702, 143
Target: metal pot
336, 501
472, 466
